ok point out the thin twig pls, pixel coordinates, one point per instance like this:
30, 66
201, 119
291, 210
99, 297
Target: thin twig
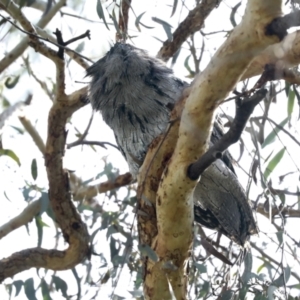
97, 143
48, 40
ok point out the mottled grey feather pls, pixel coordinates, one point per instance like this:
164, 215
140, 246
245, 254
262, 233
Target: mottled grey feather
135, 94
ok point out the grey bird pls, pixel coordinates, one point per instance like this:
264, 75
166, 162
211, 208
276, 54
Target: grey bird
135, 94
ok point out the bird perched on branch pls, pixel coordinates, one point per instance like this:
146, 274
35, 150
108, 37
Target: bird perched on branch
135, 94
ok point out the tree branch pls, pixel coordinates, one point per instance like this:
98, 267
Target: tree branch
174, 204
123, 20
283, 55
88, 192
68, 219
22, 219
243, 111
192, 23
21, 47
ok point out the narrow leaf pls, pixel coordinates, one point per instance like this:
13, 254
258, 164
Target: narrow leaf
174, 7
243, 293
148, 251
34, 171
138, 20
287, 88
291, 103
45, 290
273, 134
60, 285
18, 285
113, 17
167, 27
100, 13
248, 267
280, 281
233, 13
11, 154
279, 235
254, 170
10, 83
187, 66
271, 290
273, 163
260, 268
298, 98
200, 267
18, 129
29, 289
227, 295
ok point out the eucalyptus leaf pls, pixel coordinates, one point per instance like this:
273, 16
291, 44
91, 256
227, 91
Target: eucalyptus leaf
100, 13
167, 27
291, 103
29, 289
148, 251
273, 163
34, 171
10, 154
60, 285
273, 134
174, 7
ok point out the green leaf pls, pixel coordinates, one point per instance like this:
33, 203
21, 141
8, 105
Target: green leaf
233, 13
93, 235
187, 66
287, 88
138, 20
45, 290
78, 282
40, 226
273, 134
114, 250
113, 17
34, 171
271, 290
18, 129
291, 103
60, 285
148, 251
11, 154
10, 83
227, 295
111, 230
6, 196
174, 7
44, 202
243, 293
248, 267
279, 235
298, 97
273, 163
200, 267
167, 27
79, 48
204, 290
29, 289
18, 285
100, 13
260, 268
282, 198
278, 282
